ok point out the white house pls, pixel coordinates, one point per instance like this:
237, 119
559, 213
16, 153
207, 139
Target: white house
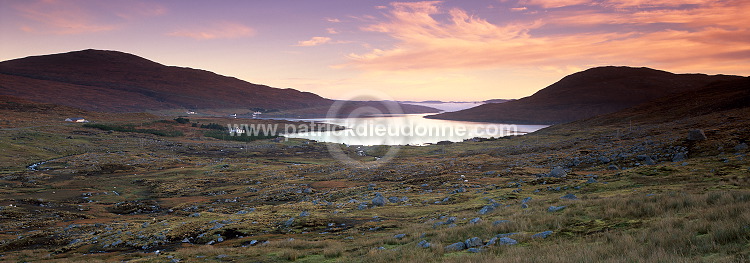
76, 120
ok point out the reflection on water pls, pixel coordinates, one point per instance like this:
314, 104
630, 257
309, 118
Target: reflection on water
411, 129
448, 106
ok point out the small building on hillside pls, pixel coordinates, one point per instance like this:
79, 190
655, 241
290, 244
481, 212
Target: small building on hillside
76, 120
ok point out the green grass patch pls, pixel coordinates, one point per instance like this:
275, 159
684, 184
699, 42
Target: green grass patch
131, 128
223, 135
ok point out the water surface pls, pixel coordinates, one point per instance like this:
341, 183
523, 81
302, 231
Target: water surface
409, 129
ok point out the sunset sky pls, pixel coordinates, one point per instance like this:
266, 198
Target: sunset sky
428, 50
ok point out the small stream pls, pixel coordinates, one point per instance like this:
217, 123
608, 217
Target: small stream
35, 166
38, 166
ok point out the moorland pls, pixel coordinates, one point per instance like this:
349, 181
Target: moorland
664, 181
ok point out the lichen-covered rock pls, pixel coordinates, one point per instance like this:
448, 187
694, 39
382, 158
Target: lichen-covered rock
696, 135
474, 242
458, 246
506, 241
379, 200
558, 172
569, 197
544, 234
424, 244
555, 208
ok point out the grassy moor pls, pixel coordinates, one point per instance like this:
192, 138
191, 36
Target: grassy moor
417, 131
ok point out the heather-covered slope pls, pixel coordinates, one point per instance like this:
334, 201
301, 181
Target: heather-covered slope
114, 81
586, 94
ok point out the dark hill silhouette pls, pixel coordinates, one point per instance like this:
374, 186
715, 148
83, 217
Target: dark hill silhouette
713, 98
120, 82
586, 94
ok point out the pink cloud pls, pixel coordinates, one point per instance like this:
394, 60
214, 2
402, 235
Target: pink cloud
315, 41
717, 14
80, 17
141, 9
60, 18
703, 40
656, 3
219, 30
553, 3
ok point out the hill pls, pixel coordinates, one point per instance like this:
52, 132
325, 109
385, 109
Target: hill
586, 94
715, 98
114, 81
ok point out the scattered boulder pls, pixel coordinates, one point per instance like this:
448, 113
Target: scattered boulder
135, 207
424, 244
250, 243
394, 199
488, 208
399, 236
506, 241
544, 234
679, 157
289, 222
613, 167
474, 250
647, 160
474, 242
604, 159
475, 220
450, 222
458, 246
569, 197
696, 135
741, 147
505, 235
555, 208
591, 181
379, 200
558, 172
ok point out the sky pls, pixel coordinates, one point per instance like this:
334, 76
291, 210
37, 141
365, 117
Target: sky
452, 50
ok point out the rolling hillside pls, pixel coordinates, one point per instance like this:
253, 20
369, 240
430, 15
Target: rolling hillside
586, 94
113, 81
